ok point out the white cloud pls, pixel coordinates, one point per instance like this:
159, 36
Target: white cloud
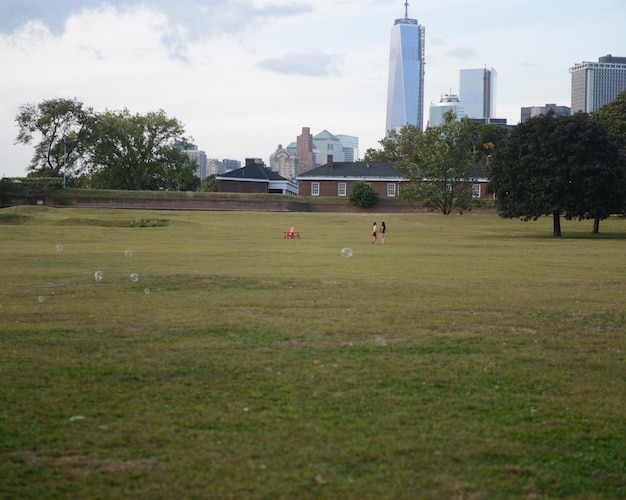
311, 62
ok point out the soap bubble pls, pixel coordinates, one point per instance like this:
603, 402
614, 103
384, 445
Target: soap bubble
346, 252
380, 340
59, 248
97, 275
41, 298
134, 277
146, 291
128, 253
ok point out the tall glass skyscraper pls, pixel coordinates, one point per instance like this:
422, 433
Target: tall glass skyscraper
405, 92
477, 89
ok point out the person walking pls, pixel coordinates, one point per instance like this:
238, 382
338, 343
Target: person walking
383, 229
374, 233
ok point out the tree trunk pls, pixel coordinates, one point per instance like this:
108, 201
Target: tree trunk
556, 231
596, 225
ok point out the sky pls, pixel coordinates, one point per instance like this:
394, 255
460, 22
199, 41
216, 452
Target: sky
244, 76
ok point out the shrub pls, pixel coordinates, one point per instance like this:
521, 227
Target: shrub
363, 195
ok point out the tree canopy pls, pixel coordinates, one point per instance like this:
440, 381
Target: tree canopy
138, 152
65, 127
114, 150
443, 164
557, 166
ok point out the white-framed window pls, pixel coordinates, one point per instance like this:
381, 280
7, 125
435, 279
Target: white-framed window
315, 188
341, 189
391, 189
475, 190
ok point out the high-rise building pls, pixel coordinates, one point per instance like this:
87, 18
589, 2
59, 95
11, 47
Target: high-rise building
477, 91
405, 91
325, 144
596, 84
304, 151
350, 145
448, 102
283, 162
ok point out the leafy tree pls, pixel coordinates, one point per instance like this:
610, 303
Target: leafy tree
363, 195
209, 185
614, 117
138, 152
558, 165
64, 126
399, 145
443, 165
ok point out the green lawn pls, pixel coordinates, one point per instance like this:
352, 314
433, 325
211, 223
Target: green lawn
468, 357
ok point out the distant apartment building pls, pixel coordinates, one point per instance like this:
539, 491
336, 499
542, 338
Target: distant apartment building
532, 111
595, 84
350, 145
197, 156
477, 92
219, 167
448, 102
283, 162
304, 151
325, 144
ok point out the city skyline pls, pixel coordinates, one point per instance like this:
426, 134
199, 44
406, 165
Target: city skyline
243, 77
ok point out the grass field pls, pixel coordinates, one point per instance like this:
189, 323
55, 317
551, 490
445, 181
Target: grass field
468, 357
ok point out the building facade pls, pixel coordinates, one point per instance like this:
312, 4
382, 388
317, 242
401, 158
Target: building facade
532, 111
350, 145
477, 92
405, 91
283, 162
304, 151
336, 179
596, 84
325, 144
448, 102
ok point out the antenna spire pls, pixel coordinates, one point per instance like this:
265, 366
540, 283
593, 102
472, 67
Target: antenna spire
406, 9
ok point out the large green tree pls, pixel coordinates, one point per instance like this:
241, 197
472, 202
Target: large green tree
443, 165
64, 127
558, 166
614, 117
400, 144
139, 152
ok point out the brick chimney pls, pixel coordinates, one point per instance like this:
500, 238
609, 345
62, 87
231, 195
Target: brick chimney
329, 161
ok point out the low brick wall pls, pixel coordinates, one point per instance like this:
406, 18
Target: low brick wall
229, 205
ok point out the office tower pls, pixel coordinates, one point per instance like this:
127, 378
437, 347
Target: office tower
304, 151
350, 145
477, 91
596, 84
532, 111
325, 144
405, 91
448, 102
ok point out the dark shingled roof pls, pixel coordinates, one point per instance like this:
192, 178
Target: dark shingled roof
253, 171
354, 169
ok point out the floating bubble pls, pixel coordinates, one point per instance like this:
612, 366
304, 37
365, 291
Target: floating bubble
380, 341
346, 252
41, 298
97, 275
134, 277
128, 253
59, 248
146, 291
